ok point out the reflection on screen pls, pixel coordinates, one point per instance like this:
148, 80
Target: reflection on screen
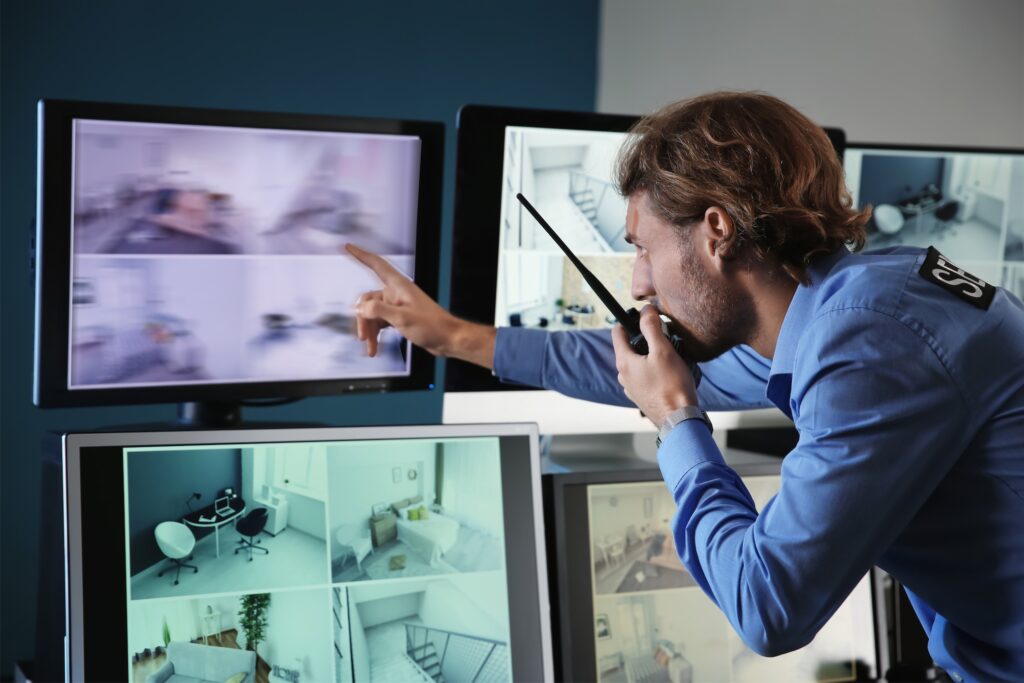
969, 206
214, 254
652, 622
345, 561
568, 176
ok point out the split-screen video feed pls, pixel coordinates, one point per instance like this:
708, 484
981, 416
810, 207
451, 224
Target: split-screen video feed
216, 254
653, 623
352, 561
568, 175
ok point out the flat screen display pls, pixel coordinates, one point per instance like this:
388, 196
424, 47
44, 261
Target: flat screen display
508, 272
568, 176
967, 203
369, 558
650, 618
198, 255
628, 610
212, 254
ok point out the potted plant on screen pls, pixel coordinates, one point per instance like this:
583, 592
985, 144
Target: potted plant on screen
252, 618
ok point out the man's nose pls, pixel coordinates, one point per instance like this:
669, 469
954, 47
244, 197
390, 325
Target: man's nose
641, 288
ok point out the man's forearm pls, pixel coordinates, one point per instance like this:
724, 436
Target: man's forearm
472, 342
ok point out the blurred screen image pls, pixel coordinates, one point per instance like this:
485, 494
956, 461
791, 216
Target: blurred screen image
216, 254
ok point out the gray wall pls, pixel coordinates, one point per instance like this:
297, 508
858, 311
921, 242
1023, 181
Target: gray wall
160, 483
406, 59
903, 71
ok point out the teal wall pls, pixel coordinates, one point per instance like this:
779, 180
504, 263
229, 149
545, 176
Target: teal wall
398, 59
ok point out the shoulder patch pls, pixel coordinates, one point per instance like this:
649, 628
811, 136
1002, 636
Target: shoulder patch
938, 270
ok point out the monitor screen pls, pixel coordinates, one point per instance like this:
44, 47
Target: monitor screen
967, 203
567, 175
508, 272
207, 249
365, 554
629, 610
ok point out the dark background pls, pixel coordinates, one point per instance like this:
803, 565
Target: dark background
400, 59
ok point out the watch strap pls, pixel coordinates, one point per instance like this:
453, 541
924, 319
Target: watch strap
681, 415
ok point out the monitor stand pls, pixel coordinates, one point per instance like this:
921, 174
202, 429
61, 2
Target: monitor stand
212, 414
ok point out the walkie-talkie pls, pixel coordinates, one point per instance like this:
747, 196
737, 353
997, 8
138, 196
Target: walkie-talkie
630, 320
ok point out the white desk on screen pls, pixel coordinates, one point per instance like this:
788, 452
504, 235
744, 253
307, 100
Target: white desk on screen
193, 519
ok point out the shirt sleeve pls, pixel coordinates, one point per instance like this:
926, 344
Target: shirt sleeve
872, 402
581, 364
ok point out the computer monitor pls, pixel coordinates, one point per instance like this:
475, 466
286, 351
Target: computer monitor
966, 202
359, 554
626, 609
508, 272
196, 255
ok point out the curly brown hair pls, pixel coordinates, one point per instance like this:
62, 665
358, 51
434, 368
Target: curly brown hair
772, 169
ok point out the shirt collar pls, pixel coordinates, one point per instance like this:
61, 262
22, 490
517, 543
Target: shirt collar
800, 311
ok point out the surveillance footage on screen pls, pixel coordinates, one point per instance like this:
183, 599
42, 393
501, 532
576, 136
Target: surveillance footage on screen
211, 254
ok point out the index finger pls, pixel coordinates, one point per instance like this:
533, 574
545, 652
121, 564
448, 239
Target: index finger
384, 270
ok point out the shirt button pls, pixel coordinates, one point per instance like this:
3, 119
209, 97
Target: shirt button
956, 677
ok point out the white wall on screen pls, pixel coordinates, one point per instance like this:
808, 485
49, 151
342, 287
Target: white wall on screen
469, 607
297, 635
360, 650
629, 509
305, 491
359, 476
205, 295
385, 610
306, 515
183, 618
471, 487
697, 628
110, 155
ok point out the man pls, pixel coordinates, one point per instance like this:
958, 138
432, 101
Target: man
903, 374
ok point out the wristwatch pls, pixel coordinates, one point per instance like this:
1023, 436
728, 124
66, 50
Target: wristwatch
681, 415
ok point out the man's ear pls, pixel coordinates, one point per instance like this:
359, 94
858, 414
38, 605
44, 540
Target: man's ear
718, 234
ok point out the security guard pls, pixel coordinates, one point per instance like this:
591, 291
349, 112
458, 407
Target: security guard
903, 373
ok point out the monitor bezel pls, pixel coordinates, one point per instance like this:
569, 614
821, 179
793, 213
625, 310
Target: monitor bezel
569, 620
478, 189
75, 650
53, 251
954, 149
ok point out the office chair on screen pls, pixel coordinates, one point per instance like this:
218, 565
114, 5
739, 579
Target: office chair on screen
176, 543
250, 527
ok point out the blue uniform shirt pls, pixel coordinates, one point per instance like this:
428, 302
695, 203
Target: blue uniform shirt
909, 402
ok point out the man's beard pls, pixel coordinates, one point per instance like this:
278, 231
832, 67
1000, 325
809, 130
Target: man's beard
711, 321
